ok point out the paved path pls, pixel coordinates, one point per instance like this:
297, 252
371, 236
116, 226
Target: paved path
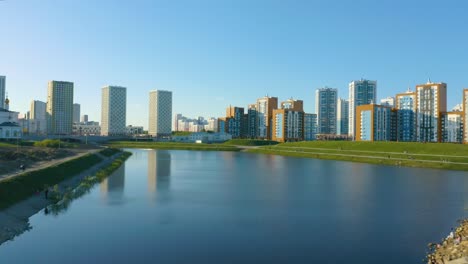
43, 165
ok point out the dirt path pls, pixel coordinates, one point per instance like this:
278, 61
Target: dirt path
45, 164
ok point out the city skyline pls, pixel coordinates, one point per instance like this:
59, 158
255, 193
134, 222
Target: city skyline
229, 58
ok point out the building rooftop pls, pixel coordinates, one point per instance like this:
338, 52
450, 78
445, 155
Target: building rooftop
9, 124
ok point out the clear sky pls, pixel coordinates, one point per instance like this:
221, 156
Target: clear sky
215, 53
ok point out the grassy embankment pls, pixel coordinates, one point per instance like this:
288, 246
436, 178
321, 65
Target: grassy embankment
412, 154
18, 188
63, 200
249, 142
171, 145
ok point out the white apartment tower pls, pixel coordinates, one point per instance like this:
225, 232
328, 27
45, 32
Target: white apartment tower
60, 108
160, 113
113, 110
2, 91
38, 110
361, 92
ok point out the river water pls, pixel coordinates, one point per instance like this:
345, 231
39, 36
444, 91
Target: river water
226, 207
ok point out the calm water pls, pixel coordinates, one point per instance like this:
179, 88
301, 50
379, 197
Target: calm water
223, 207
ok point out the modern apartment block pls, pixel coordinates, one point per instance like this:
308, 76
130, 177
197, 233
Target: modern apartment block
235, 122
37, 117
59, 108
288, 122
389, 101
113, 111
373, 123
265, 107
252, 121
406, 104
326, 109
465, 115
342, 117
160, 113
452, 127
76, 113
38, 110
431, 102
2, 91
361, 92
310, 127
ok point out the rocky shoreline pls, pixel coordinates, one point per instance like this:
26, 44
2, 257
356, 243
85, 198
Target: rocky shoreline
453, 249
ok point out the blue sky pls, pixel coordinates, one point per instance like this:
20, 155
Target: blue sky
215, 53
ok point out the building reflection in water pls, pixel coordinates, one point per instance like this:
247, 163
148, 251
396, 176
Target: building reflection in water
112, 188
159, 170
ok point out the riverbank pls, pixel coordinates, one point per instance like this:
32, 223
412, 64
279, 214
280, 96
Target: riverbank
435, 156
171, 146
453, 249
14, 218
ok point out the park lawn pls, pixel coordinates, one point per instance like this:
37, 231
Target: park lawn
171, 145
409, 147
360, 159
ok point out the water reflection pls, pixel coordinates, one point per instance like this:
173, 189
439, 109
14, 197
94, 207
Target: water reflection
159, 170
112, 188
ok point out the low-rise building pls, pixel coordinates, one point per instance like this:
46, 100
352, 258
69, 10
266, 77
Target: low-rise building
88, 128
203, 137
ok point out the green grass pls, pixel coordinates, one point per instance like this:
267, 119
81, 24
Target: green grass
13, 144
171, 145
181, 133
53, 143
63, 200
250, 142
18, 188
109, 152
428, 155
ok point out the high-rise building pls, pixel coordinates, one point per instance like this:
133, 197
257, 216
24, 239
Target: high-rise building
465, 115
252, 121
84, 119
265, 107
113, 111
76, 113
38, 110
310, 127
452, 127
374, 123
160, 113
60, 108
389, 101
342, 117
37, 117
288, 122
360, 93
235, 121
431, 102
406, 104
175, 126
325, 107
2, 91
